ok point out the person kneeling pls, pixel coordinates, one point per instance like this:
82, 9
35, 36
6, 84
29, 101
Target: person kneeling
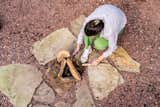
100, 30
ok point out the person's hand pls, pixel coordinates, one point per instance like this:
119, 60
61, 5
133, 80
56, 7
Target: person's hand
95, 62
77, 50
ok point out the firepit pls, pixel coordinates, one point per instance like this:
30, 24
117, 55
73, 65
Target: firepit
65, 67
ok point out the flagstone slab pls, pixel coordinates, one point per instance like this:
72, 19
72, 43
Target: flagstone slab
84, 98
62, 104
123, 61
46, 49
44, 94
18, 82
103, 79
40, 105
77, 24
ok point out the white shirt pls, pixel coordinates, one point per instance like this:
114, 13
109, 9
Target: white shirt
114, 21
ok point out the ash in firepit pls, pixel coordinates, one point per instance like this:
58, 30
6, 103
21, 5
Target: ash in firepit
66, 72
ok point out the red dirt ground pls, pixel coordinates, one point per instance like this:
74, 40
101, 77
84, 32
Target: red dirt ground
22, 22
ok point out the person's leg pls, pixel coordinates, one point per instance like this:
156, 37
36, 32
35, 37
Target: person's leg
87, 50
100, 43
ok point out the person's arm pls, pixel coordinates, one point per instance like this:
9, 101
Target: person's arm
112, 46
79, 40
80, 36
111, 36
109, 51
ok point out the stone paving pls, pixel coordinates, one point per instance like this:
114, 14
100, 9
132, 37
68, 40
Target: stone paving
46, 49
18, 82
44, 94
62, 104
23, 83
83, 96
103, 79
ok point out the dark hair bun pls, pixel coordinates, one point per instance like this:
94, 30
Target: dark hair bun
94, 27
